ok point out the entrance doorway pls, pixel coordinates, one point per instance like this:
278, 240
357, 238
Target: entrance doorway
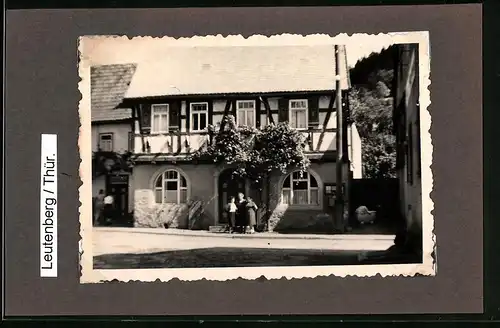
117, 186
229, 185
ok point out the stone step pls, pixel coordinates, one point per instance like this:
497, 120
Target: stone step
218, 228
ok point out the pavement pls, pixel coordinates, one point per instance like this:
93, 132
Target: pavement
145, 241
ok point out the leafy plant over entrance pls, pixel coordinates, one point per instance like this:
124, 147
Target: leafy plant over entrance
105, 162
254, 153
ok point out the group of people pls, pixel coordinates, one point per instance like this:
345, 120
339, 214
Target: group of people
242, 214
103, 208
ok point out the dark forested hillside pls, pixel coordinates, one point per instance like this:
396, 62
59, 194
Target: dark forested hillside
376, 67
371, 108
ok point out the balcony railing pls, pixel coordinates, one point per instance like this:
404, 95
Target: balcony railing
177, 143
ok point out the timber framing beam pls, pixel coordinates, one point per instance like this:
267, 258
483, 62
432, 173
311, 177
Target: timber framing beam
138, 110
268, 109
226, 111
326, 120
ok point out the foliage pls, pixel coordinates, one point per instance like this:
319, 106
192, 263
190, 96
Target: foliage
379, 160
371, 109
255, 153
277, 148
371, 112
104, 162
231, 145
376, 67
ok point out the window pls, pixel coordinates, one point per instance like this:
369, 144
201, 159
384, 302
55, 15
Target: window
298, 114
245, 113
171, 188
300, 190
199, 116
106, 141
159, 118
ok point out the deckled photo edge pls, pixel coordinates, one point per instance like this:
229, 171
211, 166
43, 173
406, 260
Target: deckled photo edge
84, 145
91, 275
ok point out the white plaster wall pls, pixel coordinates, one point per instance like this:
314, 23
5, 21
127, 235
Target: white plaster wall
355, 154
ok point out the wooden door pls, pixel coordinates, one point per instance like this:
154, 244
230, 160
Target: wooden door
117, 187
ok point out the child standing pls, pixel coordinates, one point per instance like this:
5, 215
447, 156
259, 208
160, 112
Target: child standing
231, 209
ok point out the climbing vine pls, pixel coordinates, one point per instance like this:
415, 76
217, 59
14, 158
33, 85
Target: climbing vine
104, 162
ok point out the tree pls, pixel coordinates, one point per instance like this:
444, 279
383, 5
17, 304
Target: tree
277, 148
371, 109
105, 162
255, 154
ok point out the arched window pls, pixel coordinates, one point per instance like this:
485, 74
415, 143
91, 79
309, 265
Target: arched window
171, 188
300, 189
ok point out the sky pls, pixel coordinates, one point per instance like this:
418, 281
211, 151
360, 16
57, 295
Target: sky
124, 50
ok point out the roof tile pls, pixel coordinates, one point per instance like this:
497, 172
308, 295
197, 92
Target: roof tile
238, 69
108, 84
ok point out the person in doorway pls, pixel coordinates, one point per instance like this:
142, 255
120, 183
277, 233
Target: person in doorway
108, 209
251, 208
98, 206
241, 213
231, 211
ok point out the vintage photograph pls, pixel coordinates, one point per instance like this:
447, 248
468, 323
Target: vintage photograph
225, 157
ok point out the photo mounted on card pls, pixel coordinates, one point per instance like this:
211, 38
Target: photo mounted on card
221, 158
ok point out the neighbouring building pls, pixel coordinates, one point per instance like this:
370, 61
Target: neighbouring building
174, 98
111, 133
407, 129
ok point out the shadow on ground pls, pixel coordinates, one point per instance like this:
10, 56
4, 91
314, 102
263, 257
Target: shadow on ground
378, 228
241, 257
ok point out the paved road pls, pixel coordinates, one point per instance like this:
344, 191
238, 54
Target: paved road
135, 248
107, 241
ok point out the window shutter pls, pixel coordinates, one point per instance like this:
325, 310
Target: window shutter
233, 108
188, 115
210, 112
257, 112
174, 115
146, 118
313, 104
283, 110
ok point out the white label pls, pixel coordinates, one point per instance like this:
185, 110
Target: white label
48, 207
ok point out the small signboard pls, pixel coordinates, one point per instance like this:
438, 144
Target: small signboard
331, 189
120, 179
331, 193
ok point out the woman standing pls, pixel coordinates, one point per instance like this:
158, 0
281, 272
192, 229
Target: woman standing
251, 208
241, 214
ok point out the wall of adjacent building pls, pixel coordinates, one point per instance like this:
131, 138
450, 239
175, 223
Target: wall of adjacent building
120, 135
355, 152
407, 97
120, 144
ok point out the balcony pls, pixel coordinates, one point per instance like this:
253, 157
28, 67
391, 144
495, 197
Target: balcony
183, 143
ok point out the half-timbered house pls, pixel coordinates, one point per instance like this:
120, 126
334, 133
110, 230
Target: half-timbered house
174, 100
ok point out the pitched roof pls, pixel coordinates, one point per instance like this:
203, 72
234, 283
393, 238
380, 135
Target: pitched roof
109, 83
238, 69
